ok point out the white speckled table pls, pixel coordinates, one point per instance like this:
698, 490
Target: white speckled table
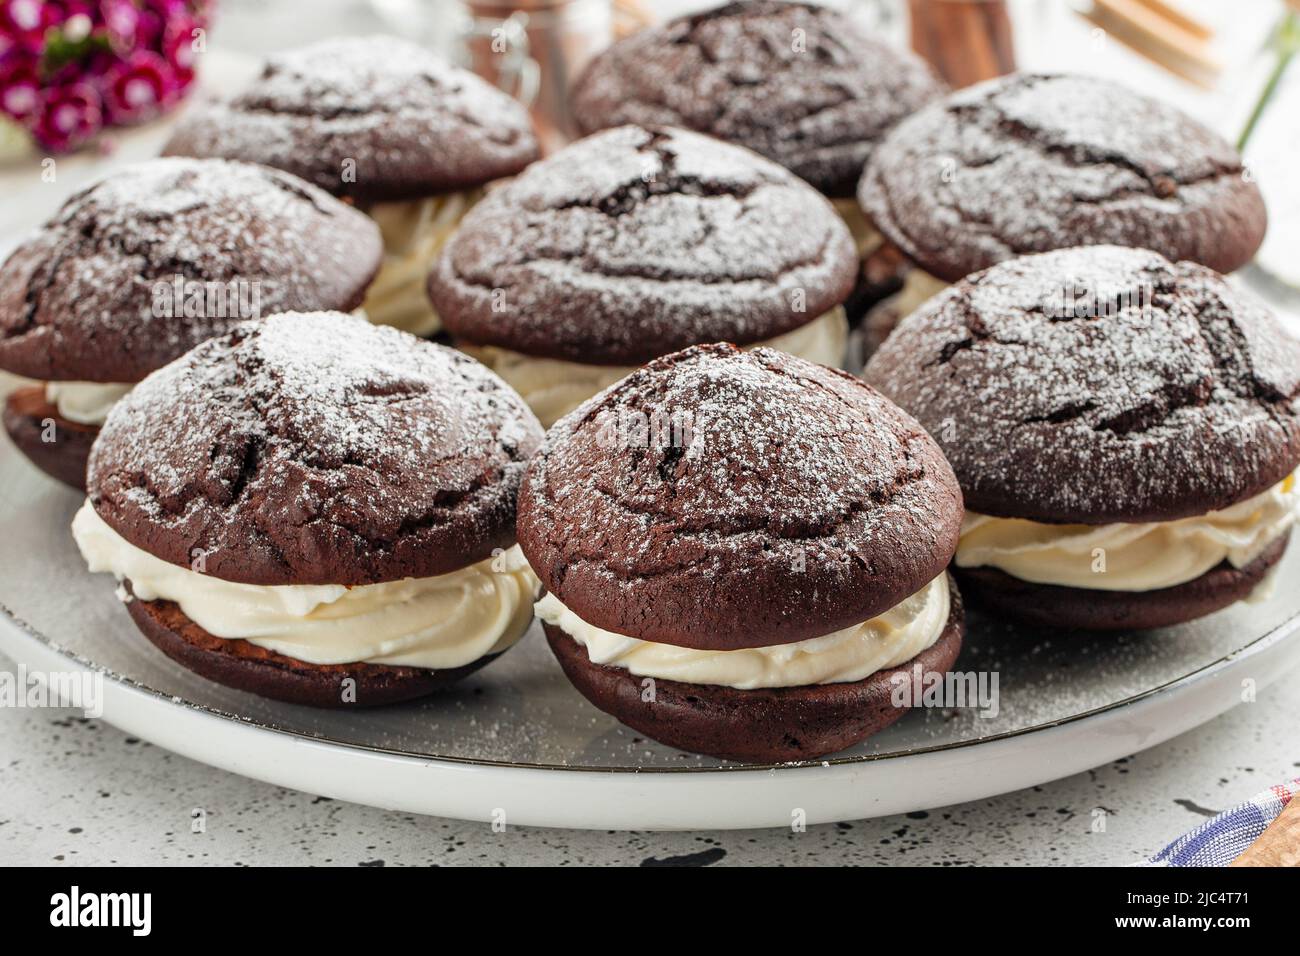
79, 791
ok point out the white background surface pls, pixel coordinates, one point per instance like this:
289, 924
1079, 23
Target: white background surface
77, 791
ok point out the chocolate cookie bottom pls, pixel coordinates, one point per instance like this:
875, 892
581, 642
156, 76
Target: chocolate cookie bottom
1049, 605
25, 414
767, 725
245, 666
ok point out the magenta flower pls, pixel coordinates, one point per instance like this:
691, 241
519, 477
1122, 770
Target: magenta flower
69, 116
178, 47
20, 89
23, 24
138, 88
149, 28
68, 67
121, 20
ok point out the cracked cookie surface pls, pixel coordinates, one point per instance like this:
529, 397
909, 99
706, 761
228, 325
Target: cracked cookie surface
1033, 162
766, 500
1098, 385
800, 84
80, 299
637, 242
315, 449
410, 124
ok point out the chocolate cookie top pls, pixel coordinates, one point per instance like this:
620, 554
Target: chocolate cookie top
315, 449
1100, 384
799, 83
718, 499
136, 269
1030, 162
636, 242
369, 118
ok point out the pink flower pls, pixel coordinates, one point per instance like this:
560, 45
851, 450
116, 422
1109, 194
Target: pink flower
178, 47
121, 22
169, 8
149, 28
23, 24
22, 16
69, 116
138, 88
20, 88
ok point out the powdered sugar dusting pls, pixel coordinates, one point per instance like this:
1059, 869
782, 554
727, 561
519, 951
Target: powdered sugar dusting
315, 448
800, 84
1100, 384
411, 124
635, 242
796, 481
80, 299
1033, 162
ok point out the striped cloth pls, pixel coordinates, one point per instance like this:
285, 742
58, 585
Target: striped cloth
1219, 841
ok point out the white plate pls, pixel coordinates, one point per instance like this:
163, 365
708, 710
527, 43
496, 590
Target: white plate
516, 743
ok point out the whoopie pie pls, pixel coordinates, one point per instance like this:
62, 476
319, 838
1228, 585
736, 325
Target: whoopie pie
799, 83
741, 552
634, 243
386, 125
316, 509
1126, 431
136, 269
1032, 162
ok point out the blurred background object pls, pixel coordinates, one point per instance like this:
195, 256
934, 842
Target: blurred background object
534, 49
1164, 33
70, 69
966, 41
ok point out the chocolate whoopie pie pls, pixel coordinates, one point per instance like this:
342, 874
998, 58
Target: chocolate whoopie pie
799, 83
384, 124
318, 510
136, 269
1033, 162
1126, 431
634, 243
742, 551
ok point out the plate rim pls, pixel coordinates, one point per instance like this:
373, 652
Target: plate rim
12, 625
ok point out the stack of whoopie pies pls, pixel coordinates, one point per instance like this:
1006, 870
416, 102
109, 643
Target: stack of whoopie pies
733, 546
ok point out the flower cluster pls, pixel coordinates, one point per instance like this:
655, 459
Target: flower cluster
68, 68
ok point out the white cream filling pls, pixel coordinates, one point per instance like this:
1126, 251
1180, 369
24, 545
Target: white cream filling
414, 233
918, 288
439, 622
87, 403
851, 654
1130, 557
887, 314
554, 387
865, 236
